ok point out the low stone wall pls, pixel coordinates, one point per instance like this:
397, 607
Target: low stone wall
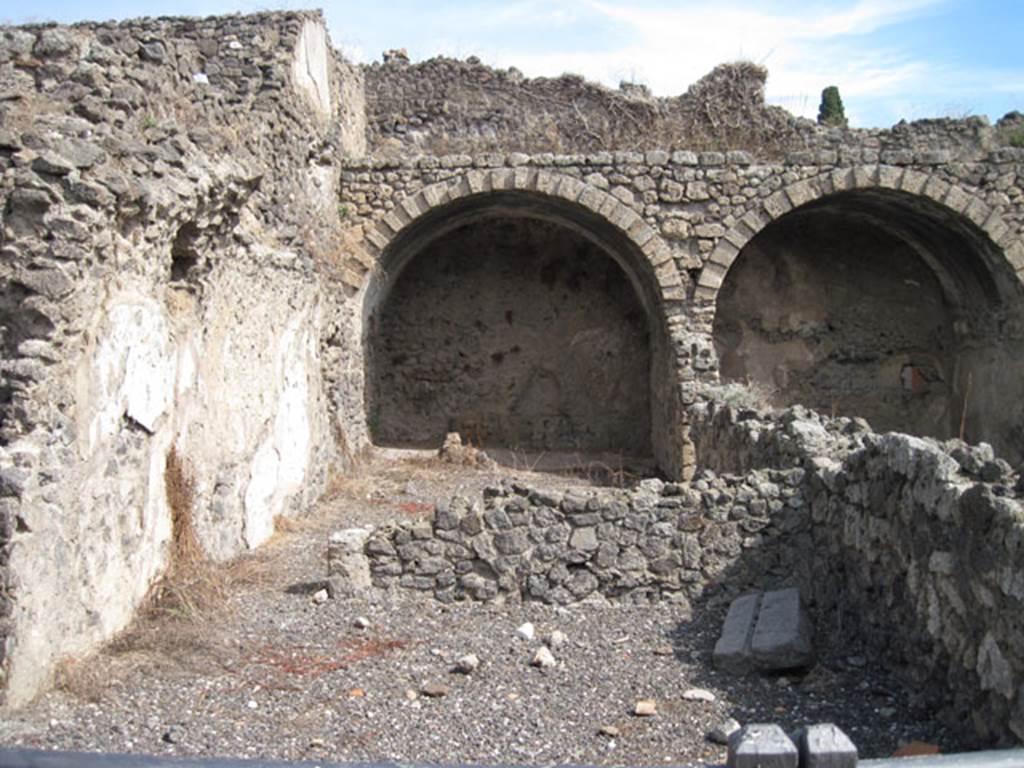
662, 540
916, 546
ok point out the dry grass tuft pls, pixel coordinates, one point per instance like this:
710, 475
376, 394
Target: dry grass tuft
194, 586
84, 678
180, 489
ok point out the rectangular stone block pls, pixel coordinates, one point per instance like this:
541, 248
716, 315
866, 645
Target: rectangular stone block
761, 745
732, 651
824, 745
782, 635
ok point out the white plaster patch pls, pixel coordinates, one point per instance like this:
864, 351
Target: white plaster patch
132, 369
280, 465
259, 496
309, 68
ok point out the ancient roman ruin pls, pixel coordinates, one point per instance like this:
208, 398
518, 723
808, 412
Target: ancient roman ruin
224, 247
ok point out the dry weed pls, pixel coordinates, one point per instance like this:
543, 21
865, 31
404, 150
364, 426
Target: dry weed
194, 586
84, 678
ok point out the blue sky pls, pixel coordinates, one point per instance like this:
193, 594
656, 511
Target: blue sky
892, 59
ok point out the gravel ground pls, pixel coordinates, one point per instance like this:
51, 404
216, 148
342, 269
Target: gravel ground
274, 674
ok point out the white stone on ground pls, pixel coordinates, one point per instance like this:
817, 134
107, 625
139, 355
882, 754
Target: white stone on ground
557, 639
543, 658
467, 664
698, 694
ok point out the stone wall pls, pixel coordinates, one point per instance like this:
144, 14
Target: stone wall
914, 545
443, 105
956, 225
162, 183
464, 344
661, 541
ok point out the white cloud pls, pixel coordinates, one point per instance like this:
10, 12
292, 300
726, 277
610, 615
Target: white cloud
805, 48
669, 45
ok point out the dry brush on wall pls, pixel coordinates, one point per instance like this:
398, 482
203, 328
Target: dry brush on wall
443, 106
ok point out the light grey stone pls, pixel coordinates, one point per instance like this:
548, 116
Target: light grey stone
732, 651
761, 745
825, 745
782, 637
720, 733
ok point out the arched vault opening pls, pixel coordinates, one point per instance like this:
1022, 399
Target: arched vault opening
522, 321
880, 304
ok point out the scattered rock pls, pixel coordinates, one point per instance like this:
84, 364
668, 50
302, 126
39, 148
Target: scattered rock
526, 631
320, 597
435, 690
720, 733
453, 451
467, 665
361, 622
664, 650
699, 694
645, 708
543, 658
608, 730
173, 735
556, 640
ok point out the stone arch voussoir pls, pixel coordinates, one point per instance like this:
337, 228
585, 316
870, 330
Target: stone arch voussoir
365, 251
910, 181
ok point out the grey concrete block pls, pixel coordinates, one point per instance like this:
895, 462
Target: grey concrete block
825, 746
783, 632
761, 745
732, 651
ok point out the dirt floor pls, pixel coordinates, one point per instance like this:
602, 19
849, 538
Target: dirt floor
250, 664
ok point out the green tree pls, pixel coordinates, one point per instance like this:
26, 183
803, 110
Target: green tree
831, 111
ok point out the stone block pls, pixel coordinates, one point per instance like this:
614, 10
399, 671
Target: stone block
732, 651
765, 631
825, 746
782, 635
347, 564
761, 745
